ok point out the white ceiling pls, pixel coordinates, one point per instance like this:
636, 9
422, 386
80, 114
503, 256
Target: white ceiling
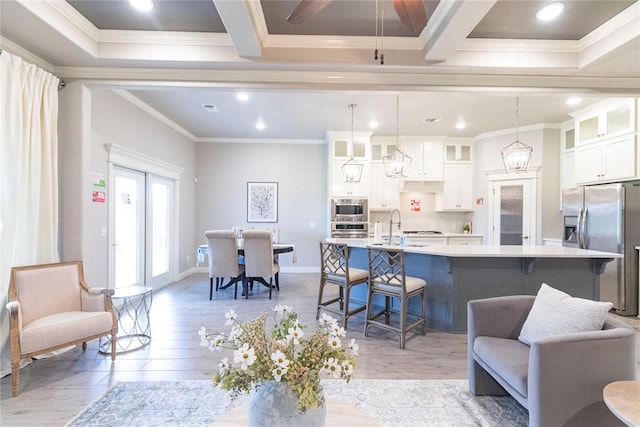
469, 63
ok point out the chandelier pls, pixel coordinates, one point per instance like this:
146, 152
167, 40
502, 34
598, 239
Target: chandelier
516, 155
396, 163
352, 170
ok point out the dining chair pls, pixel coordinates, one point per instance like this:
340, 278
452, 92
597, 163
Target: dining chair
223, 260
335, 271
258, 260
387, 277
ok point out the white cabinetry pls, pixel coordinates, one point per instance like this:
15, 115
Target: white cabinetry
339, 188
381, 146
341, 148
427, 157
567, 154
610, 160
611, 118
384, 192
458, 152
457, 191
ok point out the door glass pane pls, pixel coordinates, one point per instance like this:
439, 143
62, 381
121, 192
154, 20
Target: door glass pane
340, 148
511, 209
376, 152
588, 128
450, 153
619, 119
159, 229
359, 149
465, 153
570, 139
128, 231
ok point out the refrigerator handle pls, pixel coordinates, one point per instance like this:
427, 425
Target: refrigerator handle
579, 228
583, 228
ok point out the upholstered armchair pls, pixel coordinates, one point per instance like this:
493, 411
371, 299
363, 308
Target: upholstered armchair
559, 379
258, 260
51, 307
223, 259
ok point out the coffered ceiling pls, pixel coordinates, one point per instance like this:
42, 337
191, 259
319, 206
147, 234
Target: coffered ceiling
468, 64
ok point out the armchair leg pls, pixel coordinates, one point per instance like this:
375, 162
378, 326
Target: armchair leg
211, 287
113, 346
84, 345
15, 378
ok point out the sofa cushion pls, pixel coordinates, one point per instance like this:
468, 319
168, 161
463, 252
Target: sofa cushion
555, 313
507, 358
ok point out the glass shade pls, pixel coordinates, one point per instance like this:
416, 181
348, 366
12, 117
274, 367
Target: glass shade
516, 157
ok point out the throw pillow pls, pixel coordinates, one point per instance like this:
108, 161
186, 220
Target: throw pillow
555, 312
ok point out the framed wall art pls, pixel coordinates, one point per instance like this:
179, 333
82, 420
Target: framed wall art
262, 202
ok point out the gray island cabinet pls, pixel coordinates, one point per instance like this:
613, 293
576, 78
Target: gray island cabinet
458, 274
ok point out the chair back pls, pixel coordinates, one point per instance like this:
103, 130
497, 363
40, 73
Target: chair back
223, 253
386, 268
258, 253
334, 260
47, 289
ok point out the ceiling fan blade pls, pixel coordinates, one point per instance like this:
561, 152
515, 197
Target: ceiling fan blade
305, 10
411, 14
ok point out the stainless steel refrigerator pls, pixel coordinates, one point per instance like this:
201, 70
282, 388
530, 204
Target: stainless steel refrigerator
607, 218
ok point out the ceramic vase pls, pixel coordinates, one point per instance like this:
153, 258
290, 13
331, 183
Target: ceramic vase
275, 404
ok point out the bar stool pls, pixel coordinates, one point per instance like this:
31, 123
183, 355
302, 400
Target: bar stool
387, 277
334, 270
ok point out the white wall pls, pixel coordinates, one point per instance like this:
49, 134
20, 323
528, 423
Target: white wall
223, 170
92, 118
545, 141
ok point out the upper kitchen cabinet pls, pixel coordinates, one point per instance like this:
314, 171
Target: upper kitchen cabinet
457, 191
458, 151
381, 146
384, 193
343, 147
611, 160
340, 188
606, 119
427, 157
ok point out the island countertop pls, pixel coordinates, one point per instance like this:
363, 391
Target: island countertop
491, 251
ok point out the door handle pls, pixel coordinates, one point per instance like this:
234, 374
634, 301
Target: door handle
525, 237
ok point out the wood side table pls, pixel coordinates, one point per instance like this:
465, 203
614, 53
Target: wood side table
339, 413
623, 399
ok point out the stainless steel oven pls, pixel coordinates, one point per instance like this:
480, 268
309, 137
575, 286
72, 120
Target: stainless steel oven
350, 229
349, 210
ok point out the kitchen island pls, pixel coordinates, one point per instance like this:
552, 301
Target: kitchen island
457, 274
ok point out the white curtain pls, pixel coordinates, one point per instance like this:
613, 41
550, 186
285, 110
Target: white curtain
28, 174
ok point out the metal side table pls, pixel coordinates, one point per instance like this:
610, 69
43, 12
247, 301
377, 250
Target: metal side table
132, 305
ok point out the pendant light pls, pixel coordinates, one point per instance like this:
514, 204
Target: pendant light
352, 170
378, 55
516, 155
396, 163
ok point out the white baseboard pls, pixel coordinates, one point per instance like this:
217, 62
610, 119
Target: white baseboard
288, 269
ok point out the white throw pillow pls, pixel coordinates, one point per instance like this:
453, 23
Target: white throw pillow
555, 312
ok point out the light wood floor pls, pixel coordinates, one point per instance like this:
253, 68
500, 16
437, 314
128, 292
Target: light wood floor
54, 390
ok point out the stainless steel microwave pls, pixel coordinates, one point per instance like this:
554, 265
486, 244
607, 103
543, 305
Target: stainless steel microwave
349, 210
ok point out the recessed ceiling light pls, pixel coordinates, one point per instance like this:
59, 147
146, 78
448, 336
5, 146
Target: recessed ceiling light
260, 125
242, 96
373, 124
431, 119
550, 11
461, 125
574, 100
142, 5
210, 108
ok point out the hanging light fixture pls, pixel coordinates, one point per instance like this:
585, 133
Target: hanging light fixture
396, 163
516, 155
352, 170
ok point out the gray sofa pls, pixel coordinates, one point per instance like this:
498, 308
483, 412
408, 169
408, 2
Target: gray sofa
558, 379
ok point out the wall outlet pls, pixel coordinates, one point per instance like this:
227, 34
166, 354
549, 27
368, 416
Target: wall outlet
188, 259
312, 225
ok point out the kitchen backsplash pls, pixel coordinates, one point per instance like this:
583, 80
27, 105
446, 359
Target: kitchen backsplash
418, 213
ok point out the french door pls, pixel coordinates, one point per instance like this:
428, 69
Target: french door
513, 212
142, 224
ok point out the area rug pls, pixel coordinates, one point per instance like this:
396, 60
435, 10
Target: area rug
392, 402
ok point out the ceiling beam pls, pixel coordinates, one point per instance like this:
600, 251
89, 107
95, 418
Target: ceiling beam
242, 30
451, 23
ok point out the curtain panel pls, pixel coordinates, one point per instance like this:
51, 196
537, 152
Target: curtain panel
28, 174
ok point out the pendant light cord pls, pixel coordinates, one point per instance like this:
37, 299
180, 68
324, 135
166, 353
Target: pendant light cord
397, 122
517, 118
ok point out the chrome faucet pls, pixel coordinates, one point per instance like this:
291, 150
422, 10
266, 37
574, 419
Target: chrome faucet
391, 224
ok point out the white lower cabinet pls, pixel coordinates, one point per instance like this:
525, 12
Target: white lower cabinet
457, 190
606, 161
384, 192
